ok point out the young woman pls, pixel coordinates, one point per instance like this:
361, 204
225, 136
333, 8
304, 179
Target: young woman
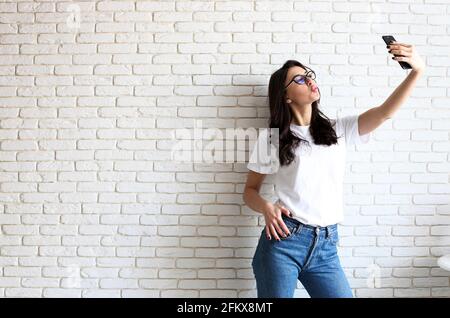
300, 235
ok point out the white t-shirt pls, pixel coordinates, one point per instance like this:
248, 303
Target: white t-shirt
311, 186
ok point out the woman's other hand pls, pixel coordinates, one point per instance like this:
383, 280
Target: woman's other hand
275, 225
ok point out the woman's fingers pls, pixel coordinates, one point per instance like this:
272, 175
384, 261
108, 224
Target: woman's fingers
401, 53
402, 44
268, 232
284, 227
403, 49
400, 48
407, 53
393, 43
276, 226
285, 211
274, 232
401, 58
280, 232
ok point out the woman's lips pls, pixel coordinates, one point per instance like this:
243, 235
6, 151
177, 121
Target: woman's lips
314, 89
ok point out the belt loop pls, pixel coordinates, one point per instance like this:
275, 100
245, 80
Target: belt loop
328, 232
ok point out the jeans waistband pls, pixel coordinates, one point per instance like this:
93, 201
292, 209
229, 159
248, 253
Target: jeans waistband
328, 228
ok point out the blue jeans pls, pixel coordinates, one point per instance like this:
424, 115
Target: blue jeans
309, 254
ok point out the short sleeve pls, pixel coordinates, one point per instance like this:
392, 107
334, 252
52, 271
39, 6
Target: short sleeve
348, 126
264, 155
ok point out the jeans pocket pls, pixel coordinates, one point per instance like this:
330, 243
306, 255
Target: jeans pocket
291, 229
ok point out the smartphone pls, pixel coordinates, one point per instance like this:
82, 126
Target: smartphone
388, 39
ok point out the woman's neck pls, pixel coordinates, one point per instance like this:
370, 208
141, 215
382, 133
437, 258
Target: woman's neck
302, 116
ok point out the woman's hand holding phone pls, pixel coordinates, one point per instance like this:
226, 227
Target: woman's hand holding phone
403, 52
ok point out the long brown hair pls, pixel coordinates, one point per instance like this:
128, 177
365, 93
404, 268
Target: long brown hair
321, 128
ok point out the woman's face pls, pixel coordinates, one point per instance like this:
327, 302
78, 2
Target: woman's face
300, 94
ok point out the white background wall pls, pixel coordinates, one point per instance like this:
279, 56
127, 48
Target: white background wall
92, 205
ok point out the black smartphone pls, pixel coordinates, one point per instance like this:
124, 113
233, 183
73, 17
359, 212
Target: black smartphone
388, 39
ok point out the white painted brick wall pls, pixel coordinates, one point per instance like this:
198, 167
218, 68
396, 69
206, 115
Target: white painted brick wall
93, 205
